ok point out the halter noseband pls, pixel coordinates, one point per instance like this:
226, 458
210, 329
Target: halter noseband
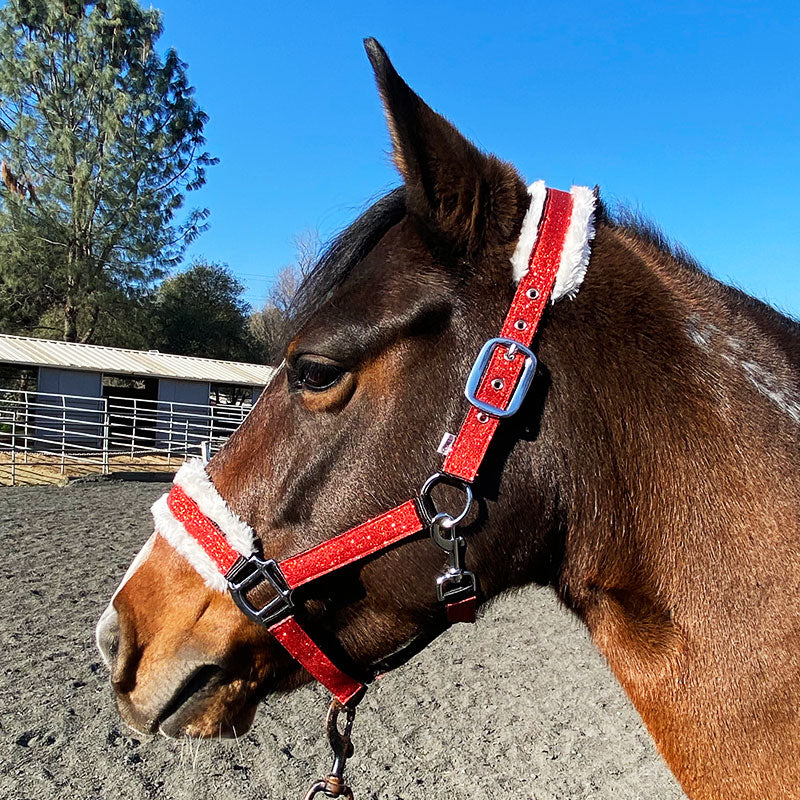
550, 260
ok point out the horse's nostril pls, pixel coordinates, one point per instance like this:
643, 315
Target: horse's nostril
107, 636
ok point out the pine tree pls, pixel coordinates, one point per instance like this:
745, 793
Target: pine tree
100, 138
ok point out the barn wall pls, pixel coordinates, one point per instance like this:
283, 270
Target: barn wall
78, 420
174, 391
185, 426
70, 381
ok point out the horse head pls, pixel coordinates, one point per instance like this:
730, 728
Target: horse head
386, 328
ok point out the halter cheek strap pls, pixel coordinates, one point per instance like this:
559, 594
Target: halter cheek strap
549, 262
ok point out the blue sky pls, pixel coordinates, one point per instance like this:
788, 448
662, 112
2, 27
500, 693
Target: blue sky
688, 111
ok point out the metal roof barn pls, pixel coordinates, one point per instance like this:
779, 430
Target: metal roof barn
107, 408
27, 351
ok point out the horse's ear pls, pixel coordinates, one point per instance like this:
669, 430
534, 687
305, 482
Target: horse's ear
471, 199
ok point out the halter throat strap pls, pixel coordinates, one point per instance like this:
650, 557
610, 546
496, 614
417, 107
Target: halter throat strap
194, 518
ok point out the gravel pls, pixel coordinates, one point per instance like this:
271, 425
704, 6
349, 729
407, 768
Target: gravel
519, 705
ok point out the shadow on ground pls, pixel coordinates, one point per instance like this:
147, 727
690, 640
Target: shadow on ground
518, 706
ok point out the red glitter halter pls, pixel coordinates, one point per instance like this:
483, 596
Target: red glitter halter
495, 389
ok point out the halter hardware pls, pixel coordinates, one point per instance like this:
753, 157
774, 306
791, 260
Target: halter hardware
333, 785
427, 507
479, 369
250, 572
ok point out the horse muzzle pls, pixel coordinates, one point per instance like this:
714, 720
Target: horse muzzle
183, 660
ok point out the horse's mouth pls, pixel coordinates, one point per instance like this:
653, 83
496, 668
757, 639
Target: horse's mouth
194, 693
203, 704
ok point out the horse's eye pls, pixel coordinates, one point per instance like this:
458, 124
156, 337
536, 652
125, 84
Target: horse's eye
316, 376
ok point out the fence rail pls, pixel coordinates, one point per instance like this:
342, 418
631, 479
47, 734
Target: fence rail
48, 437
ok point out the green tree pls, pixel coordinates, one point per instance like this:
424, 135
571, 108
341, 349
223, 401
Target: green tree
100, 139
200, 312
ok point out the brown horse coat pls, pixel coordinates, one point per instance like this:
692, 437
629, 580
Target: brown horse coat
652, 477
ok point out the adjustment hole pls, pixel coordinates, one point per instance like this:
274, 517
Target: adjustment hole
482, 418
533, 294
497, 384
520, 324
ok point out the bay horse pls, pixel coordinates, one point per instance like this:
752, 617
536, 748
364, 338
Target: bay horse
651, 476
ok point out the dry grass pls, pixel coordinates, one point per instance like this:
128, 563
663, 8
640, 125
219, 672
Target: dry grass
29, 469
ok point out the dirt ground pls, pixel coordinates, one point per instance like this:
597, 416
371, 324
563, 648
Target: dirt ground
518, 706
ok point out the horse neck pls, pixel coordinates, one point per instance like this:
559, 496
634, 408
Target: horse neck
662, 379
672, 422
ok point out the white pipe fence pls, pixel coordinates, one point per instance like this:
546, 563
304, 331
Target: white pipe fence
48, 437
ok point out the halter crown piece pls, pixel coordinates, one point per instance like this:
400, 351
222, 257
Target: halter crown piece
549, 262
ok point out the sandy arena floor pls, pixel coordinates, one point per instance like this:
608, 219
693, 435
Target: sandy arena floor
518, 706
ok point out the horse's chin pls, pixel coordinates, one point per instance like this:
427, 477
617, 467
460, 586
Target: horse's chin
205, 725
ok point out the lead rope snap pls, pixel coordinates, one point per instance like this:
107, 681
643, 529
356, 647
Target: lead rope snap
333, 785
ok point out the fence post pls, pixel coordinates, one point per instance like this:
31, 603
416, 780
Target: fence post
170, 426
26, 424
63, 432
13, 449
134, 425
105, 435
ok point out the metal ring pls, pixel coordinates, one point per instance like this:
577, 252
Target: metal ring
427, 507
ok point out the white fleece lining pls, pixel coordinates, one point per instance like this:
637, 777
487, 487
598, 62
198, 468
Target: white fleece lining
185, 544
193, 479
577, 242
520, 261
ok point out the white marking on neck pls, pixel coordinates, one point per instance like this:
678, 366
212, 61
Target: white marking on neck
734, 351
769, 385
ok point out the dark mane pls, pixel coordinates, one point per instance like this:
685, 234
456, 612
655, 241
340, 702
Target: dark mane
343, 253
620, 216
649, 232
355, 241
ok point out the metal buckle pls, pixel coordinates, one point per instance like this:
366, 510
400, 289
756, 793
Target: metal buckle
456, 585
479, 367
251, 571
